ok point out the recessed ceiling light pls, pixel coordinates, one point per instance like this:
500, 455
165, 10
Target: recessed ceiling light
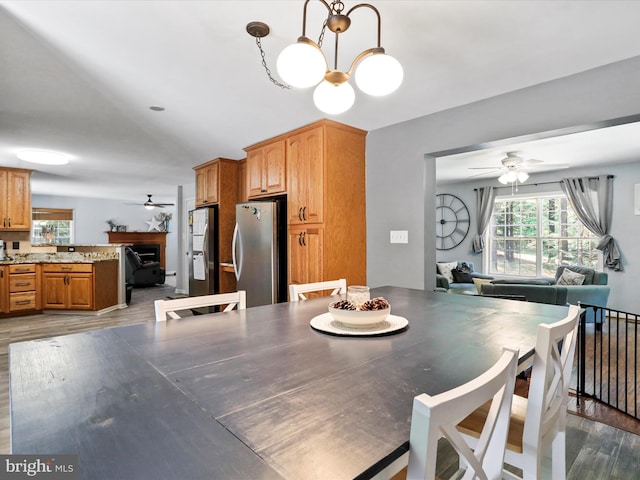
156, 108
43, 157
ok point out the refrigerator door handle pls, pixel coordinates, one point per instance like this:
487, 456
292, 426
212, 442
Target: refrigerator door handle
234, 244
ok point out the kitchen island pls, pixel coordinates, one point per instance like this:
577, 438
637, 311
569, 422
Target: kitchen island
69, 282
255, 393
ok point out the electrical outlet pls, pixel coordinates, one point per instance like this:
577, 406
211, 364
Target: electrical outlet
399, 236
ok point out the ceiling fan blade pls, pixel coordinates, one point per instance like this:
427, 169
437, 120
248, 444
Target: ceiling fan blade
530, 161
546, 166
484, 168
483, 173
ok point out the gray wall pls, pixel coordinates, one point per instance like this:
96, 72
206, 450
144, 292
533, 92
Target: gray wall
625, 226
401, 182
90, 216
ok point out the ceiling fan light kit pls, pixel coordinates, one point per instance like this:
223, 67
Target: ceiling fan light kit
304, 64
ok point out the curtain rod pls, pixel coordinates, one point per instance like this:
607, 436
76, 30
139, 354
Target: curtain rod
545, 183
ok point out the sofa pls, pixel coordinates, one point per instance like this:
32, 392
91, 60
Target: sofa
460, 283
551, 294
593, 290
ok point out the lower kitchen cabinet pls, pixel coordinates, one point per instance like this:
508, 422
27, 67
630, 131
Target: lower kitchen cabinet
23, 287
79, 286
305, 254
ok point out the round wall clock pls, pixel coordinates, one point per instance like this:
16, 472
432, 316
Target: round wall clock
452, 221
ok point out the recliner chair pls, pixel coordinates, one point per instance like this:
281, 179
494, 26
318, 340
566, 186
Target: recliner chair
140, 274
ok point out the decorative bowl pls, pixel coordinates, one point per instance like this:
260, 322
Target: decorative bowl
359, 318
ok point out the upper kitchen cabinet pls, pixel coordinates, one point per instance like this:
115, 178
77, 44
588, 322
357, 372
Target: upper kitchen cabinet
305, 161
15, 199
207, 184
266, 168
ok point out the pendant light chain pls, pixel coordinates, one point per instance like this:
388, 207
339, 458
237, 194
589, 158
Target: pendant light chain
266, 68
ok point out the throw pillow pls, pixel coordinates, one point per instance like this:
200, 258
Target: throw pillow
445, 269
586, 271
569, 277
462, 274
478, 282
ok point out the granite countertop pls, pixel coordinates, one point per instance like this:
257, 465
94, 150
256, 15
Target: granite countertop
60, 257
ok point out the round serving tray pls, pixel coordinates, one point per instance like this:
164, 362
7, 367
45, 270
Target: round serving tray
325, 323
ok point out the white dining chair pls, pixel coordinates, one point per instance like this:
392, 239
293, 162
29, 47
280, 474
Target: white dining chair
538, 422
437, 416
297, 291
168, 308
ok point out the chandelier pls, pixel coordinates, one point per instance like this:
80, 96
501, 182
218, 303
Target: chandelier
303, 64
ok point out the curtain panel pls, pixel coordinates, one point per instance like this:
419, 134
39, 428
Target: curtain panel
592, 200
485, 198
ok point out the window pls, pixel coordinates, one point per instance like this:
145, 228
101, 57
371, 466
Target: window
532, 236
51, 226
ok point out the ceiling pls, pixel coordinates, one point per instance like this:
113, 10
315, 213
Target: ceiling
79, 77
560, 151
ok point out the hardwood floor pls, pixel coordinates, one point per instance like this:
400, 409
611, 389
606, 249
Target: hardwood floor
595, 450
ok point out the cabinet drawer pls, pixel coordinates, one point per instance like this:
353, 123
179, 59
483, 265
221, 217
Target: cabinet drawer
23, 268
67, 267
22, 283
22, 301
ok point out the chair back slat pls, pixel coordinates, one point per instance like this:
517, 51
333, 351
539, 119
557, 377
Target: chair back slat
297, 291
164, 308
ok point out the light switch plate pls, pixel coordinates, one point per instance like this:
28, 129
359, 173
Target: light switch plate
399, 236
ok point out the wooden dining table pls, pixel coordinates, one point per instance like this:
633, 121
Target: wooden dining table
256, 393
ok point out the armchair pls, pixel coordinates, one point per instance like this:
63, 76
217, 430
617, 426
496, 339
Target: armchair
140, 274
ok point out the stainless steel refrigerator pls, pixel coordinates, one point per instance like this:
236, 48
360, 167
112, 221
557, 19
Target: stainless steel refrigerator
260, 251
203, 251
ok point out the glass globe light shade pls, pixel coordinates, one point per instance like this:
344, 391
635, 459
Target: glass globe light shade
509, 177
149, 207
301, 65
334, 99
379, 74
522, 176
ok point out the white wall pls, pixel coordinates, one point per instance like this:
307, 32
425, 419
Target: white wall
401, 182
625, 226
91, 214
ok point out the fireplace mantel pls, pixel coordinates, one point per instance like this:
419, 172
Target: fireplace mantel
142, 238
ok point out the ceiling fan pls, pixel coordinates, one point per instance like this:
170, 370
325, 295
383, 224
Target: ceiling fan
514, 168
150, 204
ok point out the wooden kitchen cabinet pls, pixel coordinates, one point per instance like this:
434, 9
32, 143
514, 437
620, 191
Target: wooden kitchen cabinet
23, 287
79, 286
305, 157
305, 256
326, 193
243, 193
266, 169
15, 199
207, 183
